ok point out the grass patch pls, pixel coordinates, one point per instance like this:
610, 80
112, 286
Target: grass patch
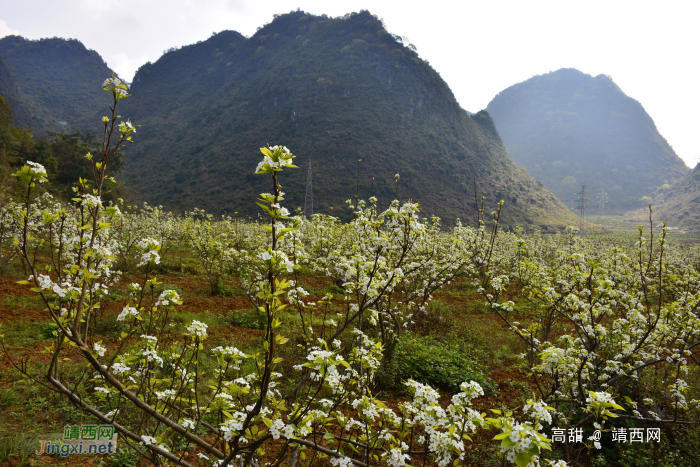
26, 334
16, 449
124, 457
7, 398
220, 289
24, 301
107, 325
333, 289
251, 319
438, 364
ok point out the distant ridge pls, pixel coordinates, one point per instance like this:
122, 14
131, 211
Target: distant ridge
54, 80
333, 90
569, 128
8, 88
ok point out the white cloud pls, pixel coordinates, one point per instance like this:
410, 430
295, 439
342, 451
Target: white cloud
124, 65
5, 30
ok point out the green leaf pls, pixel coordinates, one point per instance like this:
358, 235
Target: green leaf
533, 449
522, 459
494, 421
507, 442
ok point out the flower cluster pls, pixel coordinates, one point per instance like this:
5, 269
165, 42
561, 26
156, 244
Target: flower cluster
38, 171
116, 86
197, 329
275, 158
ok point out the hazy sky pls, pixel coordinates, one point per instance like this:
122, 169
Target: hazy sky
479, 47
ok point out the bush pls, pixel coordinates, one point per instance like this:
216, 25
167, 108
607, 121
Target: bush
431, 362
250, 320
220, 289
47, 330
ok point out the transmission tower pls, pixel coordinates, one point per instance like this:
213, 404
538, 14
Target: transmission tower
602, 199
582, 206
309, 201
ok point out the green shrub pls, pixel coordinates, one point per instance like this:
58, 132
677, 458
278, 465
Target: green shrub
220, 289
428, 361
334, 289
250, 320
47, 330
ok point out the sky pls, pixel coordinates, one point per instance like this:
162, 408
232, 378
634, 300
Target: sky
650, 49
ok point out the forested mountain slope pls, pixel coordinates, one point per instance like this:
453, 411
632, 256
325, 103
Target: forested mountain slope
333, 90
8, 86
569, 128
53, 84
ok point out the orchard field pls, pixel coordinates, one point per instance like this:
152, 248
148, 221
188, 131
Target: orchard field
389, 340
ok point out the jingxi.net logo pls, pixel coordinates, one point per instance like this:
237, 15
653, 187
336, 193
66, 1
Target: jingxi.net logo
82, 439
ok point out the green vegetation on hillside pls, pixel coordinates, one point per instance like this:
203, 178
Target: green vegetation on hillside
678, 204
52, 84
570, 129
62, 155
335, 90
8, 87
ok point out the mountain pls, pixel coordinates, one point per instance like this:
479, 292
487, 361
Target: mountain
53, 84
8, 86
333, 90
679, 203
569, 128
41, 83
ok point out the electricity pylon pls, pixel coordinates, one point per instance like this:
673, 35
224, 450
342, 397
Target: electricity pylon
582, 206
602, 199
309, 201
